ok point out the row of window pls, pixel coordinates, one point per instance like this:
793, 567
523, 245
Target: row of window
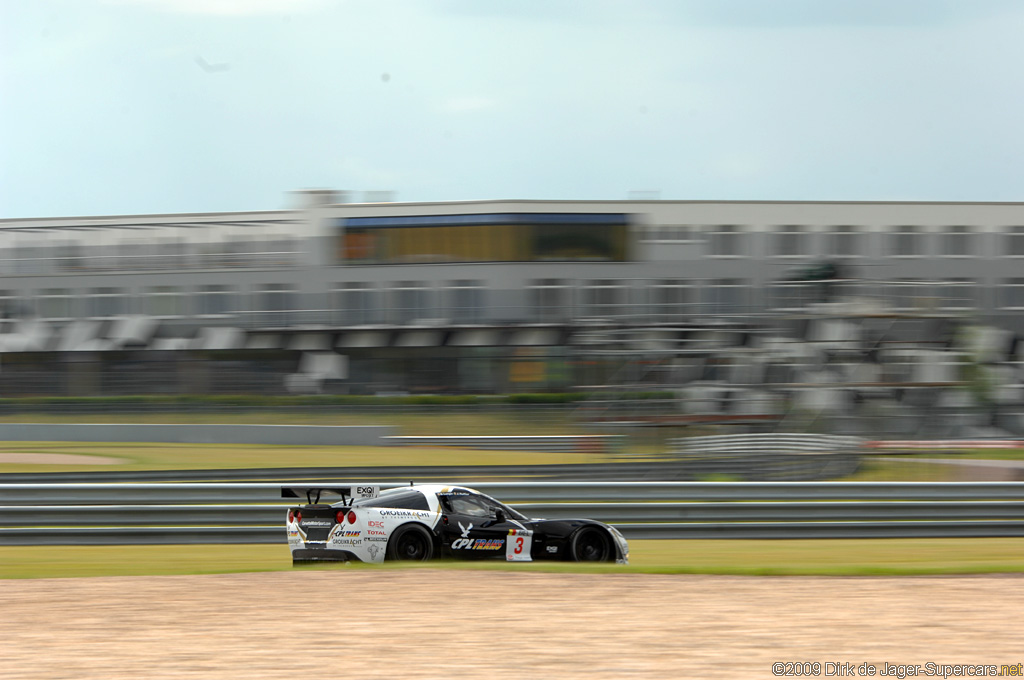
437, 245
484, 238
840, 241
472, 301
151, 255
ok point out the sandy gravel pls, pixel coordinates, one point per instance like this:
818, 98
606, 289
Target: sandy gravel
458, 624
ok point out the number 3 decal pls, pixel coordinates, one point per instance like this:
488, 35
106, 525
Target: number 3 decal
517, 547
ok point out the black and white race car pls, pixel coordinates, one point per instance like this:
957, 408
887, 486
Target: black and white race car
430, 521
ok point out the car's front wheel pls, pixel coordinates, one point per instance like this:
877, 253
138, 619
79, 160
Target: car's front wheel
410, 542
591, 544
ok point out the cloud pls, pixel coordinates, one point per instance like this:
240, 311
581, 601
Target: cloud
228, 7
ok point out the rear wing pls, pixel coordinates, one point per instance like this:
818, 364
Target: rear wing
312, 493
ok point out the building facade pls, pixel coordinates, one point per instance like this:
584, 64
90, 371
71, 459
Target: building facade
466, 296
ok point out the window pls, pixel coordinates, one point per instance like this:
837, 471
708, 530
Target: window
241, 251
467, 505
958, 293
54, 303
906, 241
410, 300
354, 303
790, 241
845, 241
725, 296
677, 233
277, 303
279, 251
501, 237
170, 254
9, 307
1015, 241
131, 255
796, 294
957, 241
67, 257
1013, 293
215, 300
603, 298
166, 301
549, 299
907, 293
726, 240
671, 298
27, 258
107, 303
467, 303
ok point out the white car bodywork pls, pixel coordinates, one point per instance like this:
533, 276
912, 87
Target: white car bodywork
367, 537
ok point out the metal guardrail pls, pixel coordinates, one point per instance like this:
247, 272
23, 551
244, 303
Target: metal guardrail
569, 443
526, 491
769, 456
68, 514
764, 444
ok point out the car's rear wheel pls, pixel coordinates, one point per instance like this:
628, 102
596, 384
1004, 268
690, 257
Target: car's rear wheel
591, 544
410, 542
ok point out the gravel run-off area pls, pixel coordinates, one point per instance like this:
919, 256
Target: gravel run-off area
436, 623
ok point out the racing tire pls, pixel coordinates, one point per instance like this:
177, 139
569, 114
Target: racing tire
591, 544
410, 543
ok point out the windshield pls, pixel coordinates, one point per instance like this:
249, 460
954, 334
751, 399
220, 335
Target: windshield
478, 505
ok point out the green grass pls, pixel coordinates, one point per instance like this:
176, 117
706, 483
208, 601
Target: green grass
141, 456
448, 422
853, 557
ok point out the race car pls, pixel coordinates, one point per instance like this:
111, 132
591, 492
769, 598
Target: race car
430, 521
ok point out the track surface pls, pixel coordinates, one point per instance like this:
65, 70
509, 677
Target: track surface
426, 623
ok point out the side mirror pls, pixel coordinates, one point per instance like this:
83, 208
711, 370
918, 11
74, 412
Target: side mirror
499, 518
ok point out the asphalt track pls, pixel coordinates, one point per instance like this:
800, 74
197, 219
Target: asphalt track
433, 623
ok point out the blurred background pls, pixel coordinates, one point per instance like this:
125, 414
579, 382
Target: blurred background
660, 263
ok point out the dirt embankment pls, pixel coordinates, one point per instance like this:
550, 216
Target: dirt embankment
459, 624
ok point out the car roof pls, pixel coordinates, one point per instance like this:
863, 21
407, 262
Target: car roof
433, 489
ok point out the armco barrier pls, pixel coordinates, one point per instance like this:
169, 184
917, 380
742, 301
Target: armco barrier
568, 443
528, 491
65, 514
284, 435
768, 456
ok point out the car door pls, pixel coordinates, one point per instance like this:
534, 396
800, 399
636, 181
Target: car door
471, 527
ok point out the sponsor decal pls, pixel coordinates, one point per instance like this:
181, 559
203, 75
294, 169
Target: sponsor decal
377, 539
347, 541
519, 542
478, 543
376, 532
375, 524
373, 550
465, 530
417, 514
316, 523
552, 548
366, 491
340, 535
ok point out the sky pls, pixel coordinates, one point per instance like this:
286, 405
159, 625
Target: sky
157, 106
